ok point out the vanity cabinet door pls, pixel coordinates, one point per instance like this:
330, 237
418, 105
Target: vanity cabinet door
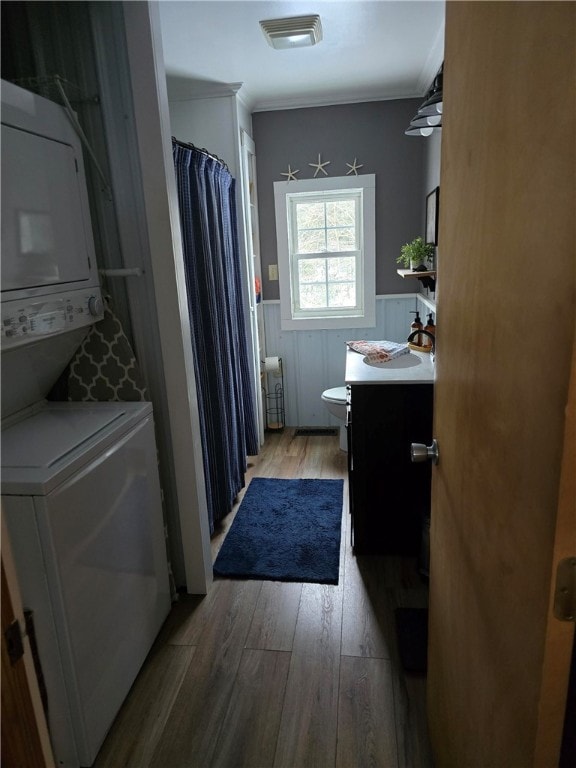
350, 457
390, 495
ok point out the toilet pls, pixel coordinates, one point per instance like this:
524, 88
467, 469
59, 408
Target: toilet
335, 400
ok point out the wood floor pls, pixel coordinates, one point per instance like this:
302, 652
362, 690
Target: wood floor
280, 675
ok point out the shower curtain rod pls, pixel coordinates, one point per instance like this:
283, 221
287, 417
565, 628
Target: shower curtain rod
189, 145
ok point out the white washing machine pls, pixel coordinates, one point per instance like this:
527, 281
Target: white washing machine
81, 497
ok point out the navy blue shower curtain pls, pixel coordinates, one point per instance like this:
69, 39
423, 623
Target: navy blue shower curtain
206, 194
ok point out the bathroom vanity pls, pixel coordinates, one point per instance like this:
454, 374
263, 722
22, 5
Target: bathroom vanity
390, 406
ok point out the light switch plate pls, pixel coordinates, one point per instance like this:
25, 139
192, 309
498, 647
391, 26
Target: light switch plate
272, 271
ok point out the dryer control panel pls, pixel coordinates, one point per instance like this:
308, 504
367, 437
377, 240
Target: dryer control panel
27, 320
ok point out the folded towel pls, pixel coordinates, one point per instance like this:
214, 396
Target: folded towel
379, 351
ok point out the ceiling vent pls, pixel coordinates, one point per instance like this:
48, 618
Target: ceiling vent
292, 32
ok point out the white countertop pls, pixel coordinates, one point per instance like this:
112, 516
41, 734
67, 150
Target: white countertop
417, 368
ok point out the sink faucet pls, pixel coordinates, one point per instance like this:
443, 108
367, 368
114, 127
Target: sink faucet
424, 333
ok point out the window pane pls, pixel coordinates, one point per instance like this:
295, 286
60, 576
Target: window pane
312, 241
312, 271
312, 297
341, 213
342, 268
341, 239
342, 295
310, 215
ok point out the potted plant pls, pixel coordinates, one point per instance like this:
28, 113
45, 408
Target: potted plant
415, 254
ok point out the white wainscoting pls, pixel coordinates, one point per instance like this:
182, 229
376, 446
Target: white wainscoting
425, 306
315, 360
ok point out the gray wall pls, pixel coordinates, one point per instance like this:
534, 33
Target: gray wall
432, 146
373, 133
431, 162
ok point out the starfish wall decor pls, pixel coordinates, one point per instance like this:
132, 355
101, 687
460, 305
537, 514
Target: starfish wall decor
320, 166
290, 175
354, 168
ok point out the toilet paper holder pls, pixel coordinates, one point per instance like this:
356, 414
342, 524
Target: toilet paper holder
273, 394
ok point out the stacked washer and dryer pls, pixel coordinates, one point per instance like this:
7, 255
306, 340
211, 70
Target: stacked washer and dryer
80, 489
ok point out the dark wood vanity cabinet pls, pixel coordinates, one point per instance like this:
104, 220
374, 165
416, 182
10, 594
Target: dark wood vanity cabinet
389, 495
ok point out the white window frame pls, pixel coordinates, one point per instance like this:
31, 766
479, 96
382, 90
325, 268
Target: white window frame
365, 315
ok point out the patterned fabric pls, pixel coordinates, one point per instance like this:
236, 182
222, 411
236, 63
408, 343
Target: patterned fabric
206, 194
104, 367
379, 351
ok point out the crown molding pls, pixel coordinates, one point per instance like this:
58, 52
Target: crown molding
199, 89
329, 101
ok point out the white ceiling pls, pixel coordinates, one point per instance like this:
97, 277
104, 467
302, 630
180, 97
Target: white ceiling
371, 50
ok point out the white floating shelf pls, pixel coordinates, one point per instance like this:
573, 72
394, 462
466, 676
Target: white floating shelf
411, 273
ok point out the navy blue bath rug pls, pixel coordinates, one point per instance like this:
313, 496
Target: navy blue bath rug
285, 530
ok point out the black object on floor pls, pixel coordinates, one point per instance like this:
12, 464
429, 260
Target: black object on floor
412, 634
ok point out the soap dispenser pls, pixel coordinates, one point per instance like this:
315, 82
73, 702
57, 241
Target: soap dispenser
416, 326
431, 328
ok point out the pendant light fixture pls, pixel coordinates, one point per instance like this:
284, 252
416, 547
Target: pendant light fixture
426, 131
292, 32
433, 105
428, 118
426, 121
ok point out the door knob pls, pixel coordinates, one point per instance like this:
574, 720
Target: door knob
420, 452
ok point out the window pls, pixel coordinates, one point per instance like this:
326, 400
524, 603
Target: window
325, 230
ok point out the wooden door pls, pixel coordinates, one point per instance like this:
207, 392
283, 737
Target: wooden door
25, 740
498, 663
